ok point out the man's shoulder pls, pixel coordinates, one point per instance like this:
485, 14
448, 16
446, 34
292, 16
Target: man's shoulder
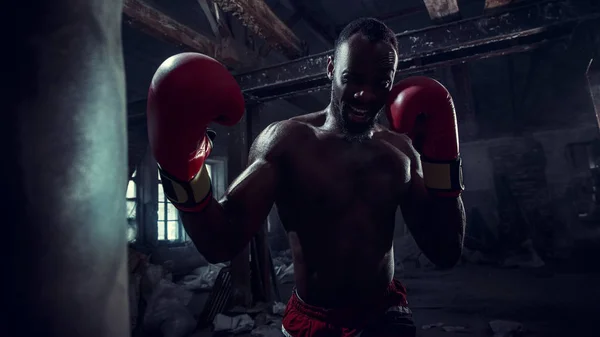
288, 130
279, 137
314, 119
399, 141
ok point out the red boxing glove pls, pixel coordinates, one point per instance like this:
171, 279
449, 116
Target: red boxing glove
442, 167
189, 91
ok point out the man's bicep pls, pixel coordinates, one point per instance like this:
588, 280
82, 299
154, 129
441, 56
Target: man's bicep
252, 194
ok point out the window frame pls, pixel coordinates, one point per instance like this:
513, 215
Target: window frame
135, 200
218, 168
180, 241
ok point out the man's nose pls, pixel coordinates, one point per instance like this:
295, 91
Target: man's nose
364, 96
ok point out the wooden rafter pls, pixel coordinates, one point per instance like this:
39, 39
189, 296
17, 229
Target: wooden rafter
593, 77
155, 23
260, 20
216, 19
491, 4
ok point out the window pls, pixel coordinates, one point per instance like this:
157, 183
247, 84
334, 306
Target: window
170, 228
131, 208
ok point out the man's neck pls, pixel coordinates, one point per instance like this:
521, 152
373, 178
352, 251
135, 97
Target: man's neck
331, 123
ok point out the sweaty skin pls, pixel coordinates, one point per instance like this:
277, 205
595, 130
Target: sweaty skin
337, 178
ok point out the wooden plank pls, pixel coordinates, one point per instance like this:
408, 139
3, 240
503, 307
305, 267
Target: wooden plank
593, 77
155, 23
492, 4
260, 20
216, 19
446, 10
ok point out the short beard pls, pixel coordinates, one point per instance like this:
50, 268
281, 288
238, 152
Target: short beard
351, 131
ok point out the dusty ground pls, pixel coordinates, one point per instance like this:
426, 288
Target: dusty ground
471, 296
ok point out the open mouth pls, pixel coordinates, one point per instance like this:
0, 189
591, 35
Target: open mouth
358, 115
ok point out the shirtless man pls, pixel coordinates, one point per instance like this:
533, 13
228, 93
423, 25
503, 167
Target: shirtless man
336, 176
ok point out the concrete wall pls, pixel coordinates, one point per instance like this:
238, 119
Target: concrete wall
540, 184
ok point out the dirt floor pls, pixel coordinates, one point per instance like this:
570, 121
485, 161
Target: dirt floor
472, 296
469, 297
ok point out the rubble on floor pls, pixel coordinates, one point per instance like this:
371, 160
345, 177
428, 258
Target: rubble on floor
526, 257
446, 328
431, 326
506, 328
264, 319
267, 331
202, 278
408, 255
284, 266
167, 311
136, 263
234, 325
449, 328
158, 306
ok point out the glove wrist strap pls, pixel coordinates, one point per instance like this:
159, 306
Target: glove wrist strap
190, 196
443, 177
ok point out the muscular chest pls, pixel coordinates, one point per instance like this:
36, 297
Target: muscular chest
341, 175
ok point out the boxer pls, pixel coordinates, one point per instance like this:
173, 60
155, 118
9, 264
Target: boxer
337, 177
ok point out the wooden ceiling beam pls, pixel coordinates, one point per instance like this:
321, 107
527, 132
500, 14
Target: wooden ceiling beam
260, 20
493, 4
216, 19
159, 25
593, 77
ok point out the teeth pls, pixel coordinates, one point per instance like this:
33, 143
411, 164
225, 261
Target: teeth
360, 111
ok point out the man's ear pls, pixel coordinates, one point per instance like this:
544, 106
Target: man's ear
330, 67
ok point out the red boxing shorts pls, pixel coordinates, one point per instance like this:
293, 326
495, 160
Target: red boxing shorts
388, 316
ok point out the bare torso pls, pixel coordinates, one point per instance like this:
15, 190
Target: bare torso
337, 200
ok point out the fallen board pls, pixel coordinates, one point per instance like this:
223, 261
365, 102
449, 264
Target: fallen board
593, 77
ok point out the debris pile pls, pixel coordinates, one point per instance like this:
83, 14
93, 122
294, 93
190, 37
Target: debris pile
263, 320
502, 328
284, 266
157, 305
446, 328
202, 278
161, 307
498, 328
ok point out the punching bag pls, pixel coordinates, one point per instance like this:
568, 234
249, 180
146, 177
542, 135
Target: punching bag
64, 171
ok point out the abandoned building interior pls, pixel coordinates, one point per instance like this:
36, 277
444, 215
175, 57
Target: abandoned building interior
524, 76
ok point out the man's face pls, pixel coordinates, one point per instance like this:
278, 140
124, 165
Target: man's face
362, 75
